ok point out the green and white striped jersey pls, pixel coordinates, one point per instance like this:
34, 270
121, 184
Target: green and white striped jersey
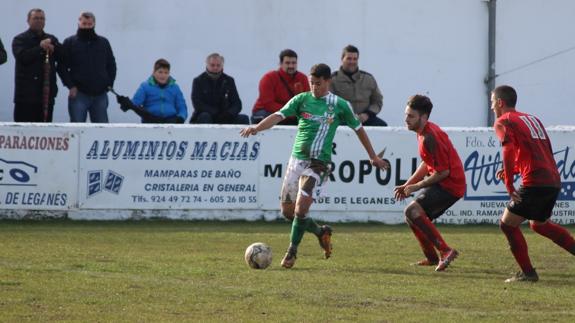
318, 119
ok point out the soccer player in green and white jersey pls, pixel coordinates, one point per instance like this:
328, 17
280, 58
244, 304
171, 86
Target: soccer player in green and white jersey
319, 113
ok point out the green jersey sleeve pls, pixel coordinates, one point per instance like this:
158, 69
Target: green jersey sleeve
348, 115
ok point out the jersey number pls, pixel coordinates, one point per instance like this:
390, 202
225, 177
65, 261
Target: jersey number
534, 126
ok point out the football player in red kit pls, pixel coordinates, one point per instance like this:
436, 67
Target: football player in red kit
441, 177
526, 151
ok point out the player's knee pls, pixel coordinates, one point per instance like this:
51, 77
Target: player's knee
287, 210
537, 226
288, 215
301, 211
506, 228
410, 212
502, 226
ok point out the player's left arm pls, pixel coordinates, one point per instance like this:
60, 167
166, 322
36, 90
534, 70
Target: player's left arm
418, 176
435, 178
374, 159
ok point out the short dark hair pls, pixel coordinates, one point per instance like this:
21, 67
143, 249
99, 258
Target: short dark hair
321, 70
420, 103
287, 53
34, 10
161, 63
88, 15
507, 94
349, 49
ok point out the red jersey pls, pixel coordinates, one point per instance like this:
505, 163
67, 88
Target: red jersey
437, 151
273, 88
526, 150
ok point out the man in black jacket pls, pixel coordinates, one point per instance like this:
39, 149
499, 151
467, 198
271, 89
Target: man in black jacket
90, 71
34, 93
3, 55
215, 97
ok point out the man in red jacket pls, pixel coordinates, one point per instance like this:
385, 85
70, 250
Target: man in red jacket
278, 87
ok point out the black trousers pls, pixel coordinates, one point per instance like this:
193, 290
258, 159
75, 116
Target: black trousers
32, 112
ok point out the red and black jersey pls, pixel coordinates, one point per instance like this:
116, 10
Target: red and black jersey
526, 150
437, 151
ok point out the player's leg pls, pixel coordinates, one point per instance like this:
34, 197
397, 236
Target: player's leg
310, 180
417, 215
541, 223
302, 222
431, 258
430, 204
555, 233
299, 226
509, 224
290, 187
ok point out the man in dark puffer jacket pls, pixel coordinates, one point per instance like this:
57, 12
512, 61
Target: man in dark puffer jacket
91, 70
215, 96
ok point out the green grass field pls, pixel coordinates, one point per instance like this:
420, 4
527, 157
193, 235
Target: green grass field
155, 271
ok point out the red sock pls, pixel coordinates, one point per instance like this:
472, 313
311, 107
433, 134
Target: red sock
555, 233
430, 232
518, 246
424, 243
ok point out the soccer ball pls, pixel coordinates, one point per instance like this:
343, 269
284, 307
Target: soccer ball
258, 255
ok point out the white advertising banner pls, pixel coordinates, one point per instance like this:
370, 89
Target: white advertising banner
38, 167
174, 167
213, 170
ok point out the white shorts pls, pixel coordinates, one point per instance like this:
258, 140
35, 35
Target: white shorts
306, 177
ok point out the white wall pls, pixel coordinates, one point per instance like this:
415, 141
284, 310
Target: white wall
529, 31
438, 47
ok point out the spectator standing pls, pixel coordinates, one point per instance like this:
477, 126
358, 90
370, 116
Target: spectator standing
358, 87
158, 99
278, 87
90, 71
38, 56
215, 96
3, 55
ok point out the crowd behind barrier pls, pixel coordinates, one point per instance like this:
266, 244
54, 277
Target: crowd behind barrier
86, 65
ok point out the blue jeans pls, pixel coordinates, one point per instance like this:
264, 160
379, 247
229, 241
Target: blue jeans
81, 104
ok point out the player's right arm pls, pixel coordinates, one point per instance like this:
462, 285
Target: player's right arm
420, 173
265, 124
508, 151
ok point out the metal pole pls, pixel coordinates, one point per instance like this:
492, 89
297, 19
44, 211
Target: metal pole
490, 79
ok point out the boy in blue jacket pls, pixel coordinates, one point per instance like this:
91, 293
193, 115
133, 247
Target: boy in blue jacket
159, 99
